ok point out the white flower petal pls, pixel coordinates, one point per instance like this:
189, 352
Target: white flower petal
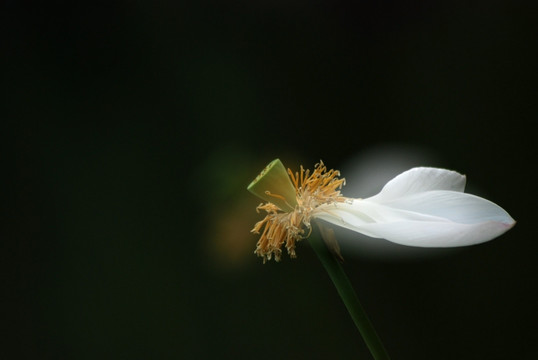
431, 219
451, 205
357, 215
420, 179
436, 234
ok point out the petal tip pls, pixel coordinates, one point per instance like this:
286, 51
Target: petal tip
509, 224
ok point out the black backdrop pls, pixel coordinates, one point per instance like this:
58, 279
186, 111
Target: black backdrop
132, 129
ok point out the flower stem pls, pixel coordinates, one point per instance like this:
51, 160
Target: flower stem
348, 295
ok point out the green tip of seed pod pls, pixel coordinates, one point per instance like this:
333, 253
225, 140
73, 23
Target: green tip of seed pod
273, 184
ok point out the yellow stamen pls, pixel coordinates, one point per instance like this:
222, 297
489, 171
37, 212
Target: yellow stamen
286, 224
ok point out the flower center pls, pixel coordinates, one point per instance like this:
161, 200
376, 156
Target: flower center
286, 227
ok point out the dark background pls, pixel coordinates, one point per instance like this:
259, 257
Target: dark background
132, 129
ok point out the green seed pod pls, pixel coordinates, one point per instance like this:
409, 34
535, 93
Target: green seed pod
273, 184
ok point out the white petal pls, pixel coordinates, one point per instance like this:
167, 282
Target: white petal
437, 234
357, 215
430, 219
420, 179
451, 205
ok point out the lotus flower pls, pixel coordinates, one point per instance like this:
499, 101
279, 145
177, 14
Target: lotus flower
423, 207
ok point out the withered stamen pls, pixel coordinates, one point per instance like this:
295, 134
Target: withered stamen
287, 227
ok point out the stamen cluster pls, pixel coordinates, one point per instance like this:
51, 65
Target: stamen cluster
281, 227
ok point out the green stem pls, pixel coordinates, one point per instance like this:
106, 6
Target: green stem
348, 295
